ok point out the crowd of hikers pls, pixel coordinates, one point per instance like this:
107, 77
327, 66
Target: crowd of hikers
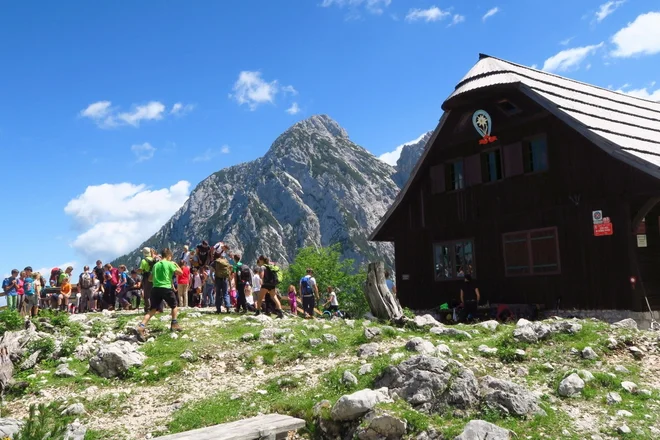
207, 276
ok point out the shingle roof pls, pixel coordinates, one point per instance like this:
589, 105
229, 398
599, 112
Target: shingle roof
629, 123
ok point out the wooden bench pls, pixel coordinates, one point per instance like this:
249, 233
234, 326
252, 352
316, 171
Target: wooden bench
266, 427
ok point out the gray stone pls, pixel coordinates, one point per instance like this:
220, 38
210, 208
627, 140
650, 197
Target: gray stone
372, 332
429, 383
586, 375
382, 427
486, 349
270, 333
365, 369
489, 325
9, 427
525, 334
420, 345
509, 398
613, 398
520, 353
548, 367
623, 429
481, 430
589, 353
247, 337
443, 349
425, 321
74, 410
63, 370
621, 369
259, 318
450, 331
623, 413
76, 430
631, 387
627, 323
571, 386
167, 363
612, 343
349, 378
636, 352
532, 332
116, 359
187, 355
353, 406
315, 342
31, 361
368, 350
330, 339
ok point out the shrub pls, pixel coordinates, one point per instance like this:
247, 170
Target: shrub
69, 347
97, 328
44, 424
45, 345
60, 320
10, 320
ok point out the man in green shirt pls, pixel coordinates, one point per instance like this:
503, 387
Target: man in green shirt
161, 274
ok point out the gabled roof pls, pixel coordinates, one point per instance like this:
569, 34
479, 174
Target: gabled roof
626, 127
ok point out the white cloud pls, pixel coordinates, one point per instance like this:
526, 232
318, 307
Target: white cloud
391, 157
180, 109
114, 219
211, 153
569, 59
431, 14
458, 18
566, 42
490, 13
294, 109
143, 152
644, 93
641, 37
373, 6
608, 8
106, 116
252, 90
289, 89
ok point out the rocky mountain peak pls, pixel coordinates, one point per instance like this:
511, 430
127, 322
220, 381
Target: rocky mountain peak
321, 124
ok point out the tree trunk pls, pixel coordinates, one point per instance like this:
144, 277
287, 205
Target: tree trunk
382, 302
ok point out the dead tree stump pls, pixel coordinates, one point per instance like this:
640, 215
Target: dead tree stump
382, 302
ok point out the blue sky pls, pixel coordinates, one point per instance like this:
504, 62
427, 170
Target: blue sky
113, 111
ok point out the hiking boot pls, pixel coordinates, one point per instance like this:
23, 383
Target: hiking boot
141, 333
279, 313
175, 327
257, 313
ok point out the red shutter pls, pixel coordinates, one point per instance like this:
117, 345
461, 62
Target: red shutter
473, 170
513, 161
438, 179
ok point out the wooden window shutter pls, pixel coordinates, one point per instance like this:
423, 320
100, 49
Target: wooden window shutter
438, 179
513, 160
473, 170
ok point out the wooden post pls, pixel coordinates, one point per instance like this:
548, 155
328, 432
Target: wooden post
382, 302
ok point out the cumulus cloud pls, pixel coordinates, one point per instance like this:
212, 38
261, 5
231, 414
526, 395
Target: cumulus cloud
289, 89
569, 59
392, 156
294, 109
607, 9
251, 89
211, 153
113, 219
641, 37
106, 116
431, 14
490, 13
456, 19
143, 151
180, 109
644, 93
376, 7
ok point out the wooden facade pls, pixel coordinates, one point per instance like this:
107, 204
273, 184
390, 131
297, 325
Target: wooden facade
517, 213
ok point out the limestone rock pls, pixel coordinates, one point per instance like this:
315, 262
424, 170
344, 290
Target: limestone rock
489, 325
425, 321
382, 426
116, 359
486, 349
74, 410
636, 352
631, 387
420, 345
621, 369
623, 413
365, 369
372, 332
187, 355
271, 333
353, 406
76, 430
623, 429
450, 331
31, 361
589, 353
63, 370
9, 427
349, 378
509, 398
368, 350
443, 350
330, 339
571, 386
315, 342
627, 323
481, 430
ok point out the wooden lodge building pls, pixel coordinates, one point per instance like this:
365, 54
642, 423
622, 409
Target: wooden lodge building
543, 188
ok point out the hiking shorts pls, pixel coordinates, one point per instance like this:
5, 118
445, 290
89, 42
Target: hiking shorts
159, 294
31, 301
268, 287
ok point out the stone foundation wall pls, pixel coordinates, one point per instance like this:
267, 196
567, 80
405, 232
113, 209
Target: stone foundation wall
643, 318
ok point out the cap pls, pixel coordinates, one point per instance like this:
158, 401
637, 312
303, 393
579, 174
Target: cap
28, 269
146, 251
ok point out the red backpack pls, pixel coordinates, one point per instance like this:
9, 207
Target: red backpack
114, 274
55, 276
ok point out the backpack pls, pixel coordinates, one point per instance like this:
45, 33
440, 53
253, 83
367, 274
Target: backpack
6, 284
245, 274
86, 281
272, 274
151, 263
130, 283
222, 268
114, 275
306, 286
55, 276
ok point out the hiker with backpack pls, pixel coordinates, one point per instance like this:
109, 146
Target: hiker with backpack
110, 287
242, 276
204, 254
86, 285
271, 278
10, 287
309, 291
162, 291
222, 270
146, 266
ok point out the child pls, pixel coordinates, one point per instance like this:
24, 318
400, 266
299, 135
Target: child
233, 293
293, 300
249, 299
65, 291
197, 288
332, 301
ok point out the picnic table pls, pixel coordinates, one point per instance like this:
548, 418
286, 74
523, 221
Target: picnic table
266, 427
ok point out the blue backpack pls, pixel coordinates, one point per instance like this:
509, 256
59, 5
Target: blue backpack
306, 286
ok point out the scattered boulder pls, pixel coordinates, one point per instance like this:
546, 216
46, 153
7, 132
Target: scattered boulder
621, 369
9, 427
365, 369
76, 430
489, 325
532, 332
247, 337
631, 387
623, 413
74, 410
31, 361
115, 359
16, 342
612, 343
431, 384
368, 350
509, 398
372, 332
589, 354
613, 398
349, 378
63, 370
623, 429
570, 386
443, 350
586, 375
420, 346
315, 342
330, 339
548, 367
427, 320
382, 426
270, 333
353, 406
627, 323
187, 355
486, 349
259, 318
481, 430
636, 352
450, 331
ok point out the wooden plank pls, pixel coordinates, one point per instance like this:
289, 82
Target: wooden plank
267, 426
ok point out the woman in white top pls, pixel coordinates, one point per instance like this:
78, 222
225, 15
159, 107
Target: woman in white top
332, 302
256, 282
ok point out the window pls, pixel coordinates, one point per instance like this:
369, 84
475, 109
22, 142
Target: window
531, 252
455, 175
491, 166
508, 107
535, 154
453, 259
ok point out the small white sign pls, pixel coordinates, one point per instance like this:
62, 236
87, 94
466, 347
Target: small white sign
597, 217
641, 240
405, 277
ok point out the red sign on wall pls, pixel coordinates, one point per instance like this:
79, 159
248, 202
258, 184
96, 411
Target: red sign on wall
603, 229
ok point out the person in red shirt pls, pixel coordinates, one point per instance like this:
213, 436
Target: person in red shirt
182, 284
